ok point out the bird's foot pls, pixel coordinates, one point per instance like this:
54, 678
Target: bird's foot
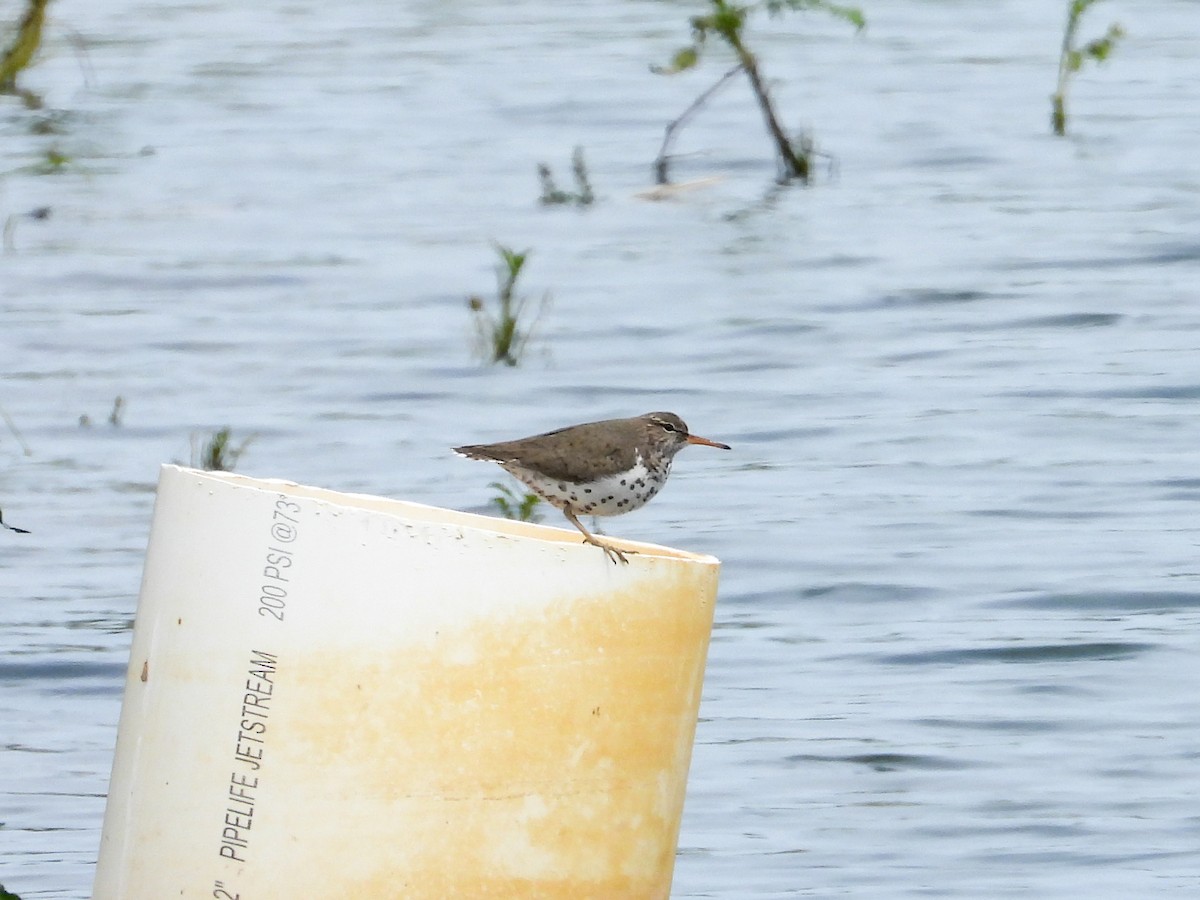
615, 554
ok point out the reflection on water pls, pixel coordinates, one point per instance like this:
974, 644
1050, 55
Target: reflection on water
954, 651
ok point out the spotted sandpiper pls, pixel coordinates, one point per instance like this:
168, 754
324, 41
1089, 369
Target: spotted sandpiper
598, 469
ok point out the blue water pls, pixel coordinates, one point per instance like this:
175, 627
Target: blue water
955, 652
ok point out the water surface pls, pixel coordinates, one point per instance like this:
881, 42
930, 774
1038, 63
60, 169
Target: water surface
956, 647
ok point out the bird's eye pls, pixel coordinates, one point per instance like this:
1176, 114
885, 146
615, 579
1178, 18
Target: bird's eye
667, 426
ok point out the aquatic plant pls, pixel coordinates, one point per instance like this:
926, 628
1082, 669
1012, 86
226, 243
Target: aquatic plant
1072, 58
218, 453
20, 53
502, 337
53, 162
515, 504
39, 214
727, 21
118, 410
114, 417
553, 196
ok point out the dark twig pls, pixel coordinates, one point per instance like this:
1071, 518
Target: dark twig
12, 527
12, 426
662, 160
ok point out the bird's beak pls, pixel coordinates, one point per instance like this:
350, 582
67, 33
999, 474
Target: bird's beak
696, 439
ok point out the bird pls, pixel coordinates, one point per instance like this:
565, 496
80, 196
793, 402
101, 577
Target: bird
601, 468
12, 527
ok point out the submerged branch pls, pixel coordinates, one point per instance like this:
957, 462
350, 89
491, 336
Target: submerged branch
662, 160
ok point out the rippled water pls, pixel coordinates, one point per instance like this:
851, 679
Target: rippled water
956, 647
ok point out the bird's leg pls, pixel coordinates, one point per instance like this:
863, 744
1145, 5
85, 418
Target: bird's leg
612, 552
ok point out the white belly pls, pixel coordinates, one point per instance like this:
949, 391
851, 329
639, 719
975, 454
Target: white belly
609, 496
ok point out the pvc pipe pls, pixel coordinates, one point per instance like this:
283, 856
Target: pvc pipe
345, 696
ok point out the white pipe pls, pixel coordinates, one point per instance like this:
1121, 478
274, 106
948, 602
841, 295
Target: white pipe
345, 696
